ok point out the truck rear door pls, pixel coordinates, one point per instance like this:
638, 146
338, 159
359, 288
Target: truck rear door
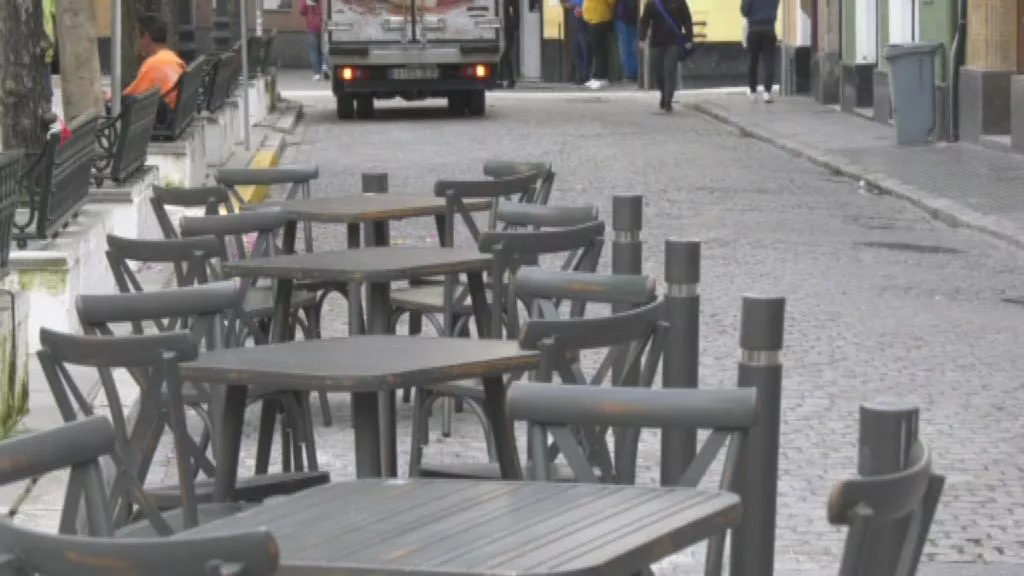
361, 21
457, 21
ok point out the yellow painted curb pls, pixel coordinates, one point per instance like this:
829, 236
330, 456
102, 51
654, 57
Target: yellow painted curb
262, 159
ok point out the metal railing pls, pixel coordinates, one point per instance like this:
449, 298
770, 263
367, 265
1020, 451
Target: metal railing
10, 172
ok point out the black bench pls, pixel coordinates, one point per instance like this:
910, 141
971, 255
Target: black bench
55, 185
10, 171
124, 139
223, 80
179, 119
260, 50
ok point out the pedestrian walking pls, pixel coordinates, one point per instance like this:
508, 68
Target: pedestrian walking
311, 11
600, 16
761, 41
507, 65
626, 16
582, 57
670, 26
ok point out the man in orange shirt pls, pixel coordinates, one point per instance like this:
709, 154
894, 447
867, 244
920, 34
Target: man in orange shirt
162, 67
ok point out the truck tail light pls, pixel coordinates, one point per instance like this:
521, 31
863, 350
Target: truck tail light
478, 71
349, 73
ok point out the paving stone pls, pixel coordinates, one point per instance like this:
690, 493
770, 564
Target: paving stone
863, 321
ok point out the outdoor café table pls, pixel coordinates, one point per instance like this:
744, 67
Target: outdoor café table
420, 527
376, 267
362, 366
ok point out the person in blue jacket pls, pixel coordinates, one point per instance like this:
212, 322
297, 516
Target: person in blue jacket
582, 58
626, 19
761, 41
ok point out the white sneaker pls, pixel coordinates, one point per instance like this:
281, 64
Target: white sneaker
317, 77
767, 97
593, 84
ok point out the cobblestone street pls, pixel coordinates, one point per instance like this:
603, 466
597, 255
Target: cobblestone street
882, 300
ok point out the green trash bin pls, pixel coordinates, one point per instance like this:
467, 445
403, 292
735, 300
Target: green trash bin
912, 90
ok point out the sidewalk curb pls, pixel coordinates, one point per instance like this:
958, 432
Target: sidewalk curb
944, 210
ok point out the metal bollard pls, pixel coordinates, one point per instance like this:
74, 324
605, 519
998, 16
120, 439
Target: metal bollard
888, 429
680, 358
627, 258
762, 322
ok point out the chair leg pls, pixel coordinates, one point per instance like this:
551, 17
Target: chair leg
415, 329
312, 314
265, 439
485, 424
446, 416
419, 435
309, 439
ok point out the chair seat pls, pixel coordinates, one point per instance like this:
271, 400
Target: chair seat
259, 301
255, 488
207, 513
428, 298
487, 471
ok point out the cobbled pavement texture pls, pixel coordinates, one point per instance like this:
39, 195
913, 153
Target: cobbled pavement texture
926, 326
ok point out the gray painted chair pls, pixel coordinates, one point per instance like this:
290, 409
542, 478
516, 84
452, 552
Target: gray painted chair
506, 168
560, 412
196, 261
212, 199
157, 357
633, 338
574, 232
201, 310
259, 305
903, 502
79, 446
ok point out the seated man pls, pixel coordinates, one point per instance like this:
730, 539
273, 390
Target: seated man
161, 68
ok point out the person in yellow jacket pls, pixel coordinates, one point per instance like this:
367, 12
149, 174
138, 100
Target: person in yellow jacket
50, 25
600, 17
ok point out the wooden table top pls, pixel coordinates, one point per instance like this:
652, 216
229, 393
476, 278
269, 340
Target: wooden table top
359, 208
374, 264
359, 363
391, 526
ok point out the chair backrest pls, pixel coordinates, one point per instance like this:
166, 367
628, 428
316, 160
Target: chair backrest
212, 199
200, 309
157, 356
134, 130
194, 259
506, 168
188, 96
582, 245
456, 192
864, 504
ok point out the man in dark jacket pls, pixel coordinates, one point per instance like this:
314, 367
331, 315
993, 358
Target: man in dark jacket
761, 41
507, 64
671, 30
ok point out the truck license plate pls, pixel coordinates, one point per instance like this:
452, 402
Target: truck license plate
414, 73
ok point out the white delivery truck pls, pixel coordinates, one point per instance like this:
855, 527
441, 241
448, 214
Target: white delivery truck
413, 49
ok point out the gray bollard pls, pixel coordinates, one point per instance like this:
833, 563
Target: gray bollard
679, 365
761, 332
627, 258
888, 429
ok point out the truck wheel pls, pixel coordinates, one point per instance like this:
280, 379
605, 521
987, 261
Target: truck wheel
457, 104
364, 107
346, 107
476, 103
